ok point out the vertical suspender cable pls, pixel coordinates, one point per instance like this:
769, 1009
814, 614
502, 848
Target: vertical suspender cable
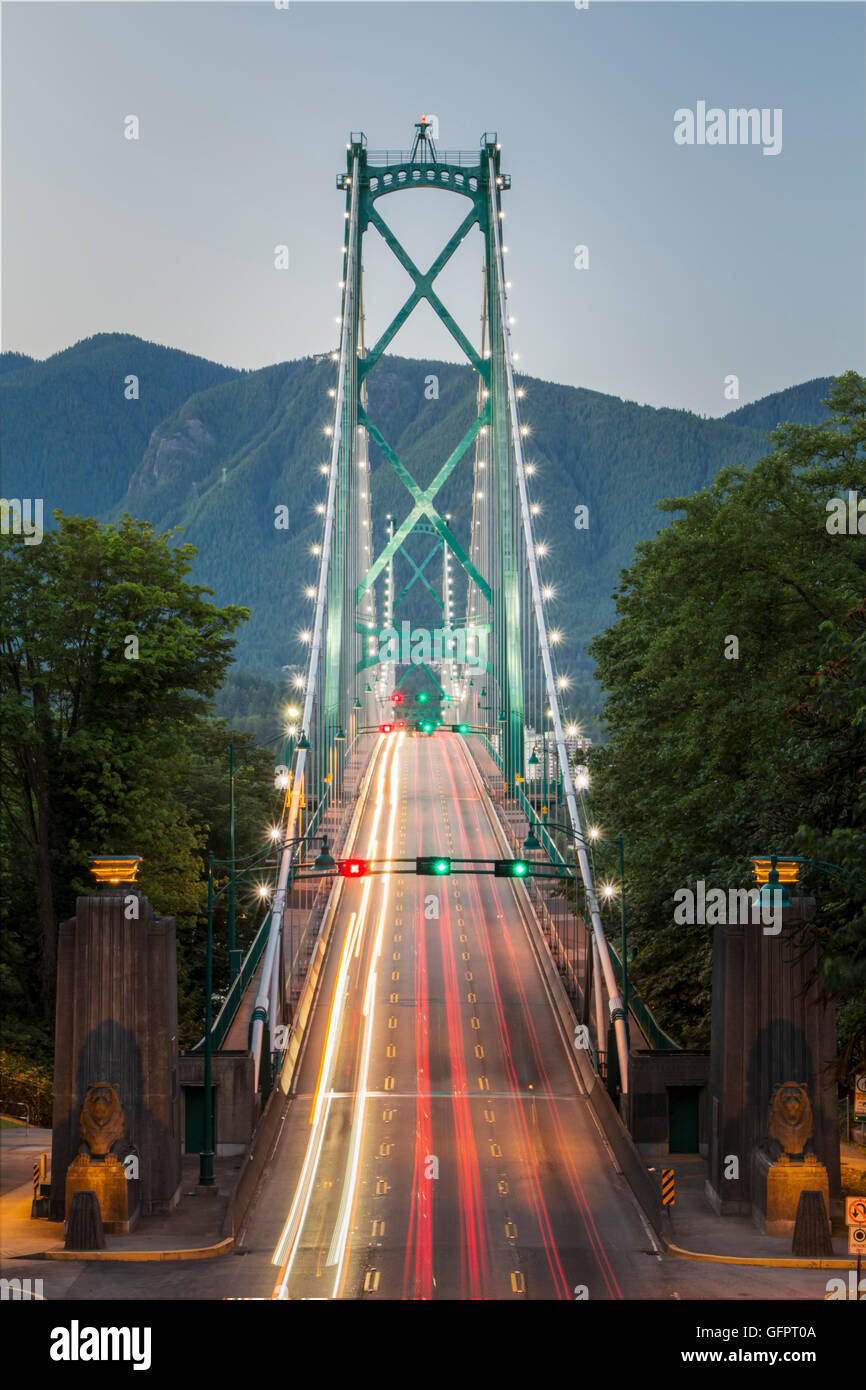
263, 1000
599, 939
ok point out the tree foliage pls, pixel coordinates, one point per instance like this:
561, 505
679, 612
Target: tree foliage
714, 758
109, 660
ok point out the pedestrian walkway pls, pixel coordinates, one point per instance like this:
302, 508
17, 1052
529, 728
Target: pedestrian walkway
699, 1230
198, 1223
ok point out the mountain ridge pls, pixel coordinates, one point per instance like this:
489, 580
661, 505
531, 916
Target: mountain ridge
214, 451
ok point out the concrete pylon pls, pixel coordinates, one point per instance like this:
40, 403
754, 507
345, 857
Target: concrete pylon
116, 1023
770, 1027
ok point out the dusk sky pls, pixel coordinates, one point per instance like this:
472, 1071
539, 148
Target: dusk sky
704, 260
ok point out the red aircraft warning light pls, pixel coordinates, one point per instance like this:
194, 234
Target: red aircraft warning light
385, 728
353, 868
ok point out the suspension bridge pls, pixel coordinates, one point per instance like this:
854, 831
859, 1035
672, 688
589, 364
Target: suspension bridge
439, 1022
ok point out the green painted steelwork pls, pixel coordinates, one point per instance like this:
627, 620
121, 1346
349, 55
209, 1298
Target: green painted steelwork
379, 175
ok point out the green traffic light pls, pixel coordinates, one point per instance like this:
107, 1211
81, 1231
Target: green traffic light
438, 865
422, 697
510, 868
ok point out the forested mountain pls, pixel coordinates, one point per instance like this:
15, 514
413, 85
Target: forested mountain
69, 433
798, 405
216, 451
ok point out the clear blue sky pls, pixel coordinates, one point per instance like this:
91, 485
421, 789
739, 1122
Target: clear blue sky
704, 261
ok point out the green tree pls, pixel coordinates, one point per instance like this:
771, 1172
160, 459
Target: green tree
109, 658
717, 644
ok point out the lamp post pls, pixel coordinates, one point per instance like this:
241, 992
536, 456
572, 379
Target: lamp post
599, 839
234, 953
251, 863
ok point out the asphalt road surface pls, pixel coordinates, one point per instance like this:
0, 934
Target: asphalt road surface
438, 1145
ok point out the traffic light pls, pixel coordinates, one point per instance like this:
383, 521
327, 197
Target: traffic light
397, 698
460, 728
436, 864
400, 724
385, 728
423, 697
510, 868
353, 868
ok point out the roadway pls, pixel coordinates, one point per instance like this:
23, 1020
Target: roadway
438, 1145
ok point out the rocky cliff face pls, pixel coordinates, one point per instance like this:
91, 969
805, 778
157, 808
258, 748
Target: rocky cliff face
179, 454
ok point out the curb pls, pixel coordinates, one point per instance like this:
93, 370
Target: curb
769, 1261
201, 1252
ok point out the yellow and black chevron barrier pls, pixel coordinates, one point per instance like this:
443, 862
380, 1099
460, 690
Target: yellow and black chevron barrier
668, 1187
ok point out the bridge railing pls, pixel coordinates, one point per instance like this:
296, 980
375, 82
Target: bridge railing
565, 928
464, 159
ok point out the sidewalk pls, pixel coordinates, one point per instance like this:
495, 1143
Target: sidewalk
194, 1230
699, 1233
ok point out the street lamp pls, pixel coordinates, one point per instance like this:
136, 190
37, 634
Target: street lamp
252, 863
234, 953
608, 891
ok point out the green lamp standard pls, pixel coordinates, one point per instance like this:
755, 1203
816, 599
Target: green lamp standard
251, 864
595, 837
234, 953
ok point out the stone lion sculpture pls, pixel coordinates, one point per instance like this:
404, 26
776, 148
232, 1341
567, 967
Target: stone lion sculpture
791, 1123
102, 1120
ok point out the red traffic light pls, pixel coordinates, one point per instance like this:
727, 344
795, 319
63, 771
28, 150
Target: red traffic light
396, 698
401, 724
385, 728
353, 868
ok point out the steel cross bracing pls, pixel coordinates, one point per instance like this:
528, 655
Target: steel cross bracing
512, 694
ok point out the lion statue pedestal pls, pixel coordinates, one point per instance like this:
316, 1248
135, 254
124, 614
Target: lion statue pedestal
102, 1123
778, 1182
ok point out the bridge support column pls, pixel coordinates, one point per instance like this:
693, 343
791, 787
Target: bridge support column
768, 1029
116, 1023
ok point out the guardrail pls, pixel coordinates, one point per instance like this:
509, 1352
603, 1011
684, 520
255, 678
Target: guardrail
463, 159
651, 1029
